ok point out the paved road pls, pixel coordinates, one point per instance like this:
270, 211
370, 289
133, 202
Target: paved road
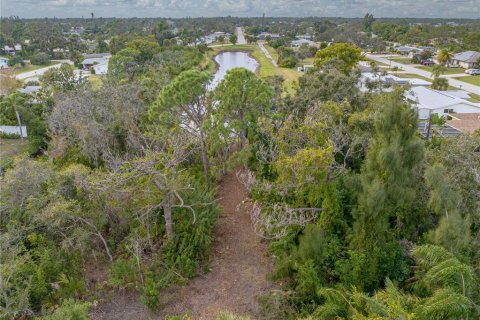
411, 69
265, 51
240, 36
39, 72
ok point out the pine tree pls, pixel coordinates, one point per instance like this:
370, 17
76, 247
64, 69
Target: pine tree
387, 182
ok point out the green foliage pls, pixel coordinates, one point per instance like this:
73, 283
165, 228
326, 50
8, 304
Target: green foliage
344, 55
39, 59
71, 310
440, 84
122, 273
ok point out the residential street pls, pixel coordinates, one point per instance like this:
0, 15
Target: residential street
240, 36
39, 72
411, 69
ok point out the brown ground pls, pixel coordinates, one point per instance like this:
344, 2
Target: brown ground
238, 271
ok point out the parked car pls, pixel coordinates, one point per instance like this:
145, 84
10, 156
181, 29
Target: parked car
427, 62
473, 72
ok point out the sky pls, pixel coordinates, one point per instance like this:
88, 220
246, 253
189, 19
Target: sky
241, 8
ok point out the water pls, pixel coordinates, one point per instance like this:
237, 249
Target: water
229, 60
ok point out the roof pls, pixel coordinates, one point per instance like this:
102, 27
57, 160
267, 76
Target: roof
96, 55
303, 41
467, 56
29, 89
95, 60
427, 98
465, 122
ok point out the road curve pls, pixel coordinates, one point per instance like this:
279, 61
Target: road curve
411, 69
39, 72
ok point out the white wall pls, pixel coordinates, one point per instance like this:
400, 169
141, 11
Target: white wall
14, 130
458, 108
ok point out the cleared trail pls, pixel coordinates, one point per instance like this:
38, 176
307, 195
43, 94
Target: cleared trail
238, 270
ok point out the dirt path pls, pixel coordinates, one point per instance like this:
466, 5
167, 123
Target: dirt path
238, 270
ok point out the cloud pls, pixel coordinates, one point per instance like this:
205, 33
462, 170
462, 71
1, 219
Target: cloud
182, 8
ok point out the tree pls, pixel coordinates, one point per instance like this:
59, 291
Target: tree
344, 55
444, 57
387, 181
221, 39
242, 99
368, 22
184, 104
61, 79
233, 39
440, 84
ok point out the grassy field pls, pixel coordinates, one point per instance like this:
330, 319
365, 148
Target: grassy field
411, 75
402, 60
447, 71
30, 67
9, 148
474, 98
475, 80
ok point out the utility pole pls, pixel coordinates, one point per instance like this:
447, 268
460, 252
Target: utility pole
429, 127
19, 124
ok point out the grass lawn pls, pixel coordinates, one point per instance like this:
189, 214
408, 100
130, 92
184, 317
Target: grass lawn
380, 64
30, 67
474, 98
411, 75
402, 60
447, 71
475, 80
96, 81
9, 148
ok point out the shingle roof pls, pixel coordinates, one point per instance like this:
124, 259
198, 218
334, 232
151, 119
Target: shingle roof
467, 56
465, 122
433, 99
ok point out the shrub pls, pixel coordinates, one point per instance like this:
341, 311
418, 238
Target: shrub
71, 310
122, 274
39, 59
6, 135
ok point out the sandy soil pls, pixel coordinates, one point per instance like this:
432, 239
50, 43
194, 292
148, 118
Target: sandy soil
238, 271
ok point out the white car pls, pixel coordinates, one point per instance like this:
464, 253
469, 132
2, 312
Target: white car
473, 72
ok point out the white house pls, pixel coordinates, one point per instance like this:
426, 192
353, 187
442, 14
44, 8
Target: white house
388, 80
428, 101
299, 42
467, 59
3, 63
12, 50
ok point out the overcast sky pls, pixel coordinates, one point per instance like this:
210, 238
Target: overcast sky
211, 8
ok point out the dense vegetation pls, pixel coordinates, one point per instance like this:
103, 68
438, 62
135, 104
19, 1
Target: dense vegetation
365, 219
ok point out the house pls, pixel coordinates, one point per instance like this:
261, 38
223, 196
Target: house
428, 101
3, 63
264, 35
12, 50
467, 59
300, 42
465, 122
388, 80
406, 50
88, 63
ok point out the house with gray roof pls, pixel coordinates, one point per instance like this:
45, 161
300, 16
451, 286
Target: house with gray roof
467, 59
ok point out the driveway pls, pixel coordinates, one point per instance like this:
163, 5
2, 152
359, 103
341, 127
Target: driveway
411, 69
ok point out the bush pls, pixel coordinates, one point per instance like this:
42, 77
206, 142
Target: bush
122, 274
5, 135
71, 310
39, 59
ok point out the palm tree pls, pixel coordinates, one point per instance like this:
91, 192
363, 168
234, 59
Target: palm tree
444, 57
438, 70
